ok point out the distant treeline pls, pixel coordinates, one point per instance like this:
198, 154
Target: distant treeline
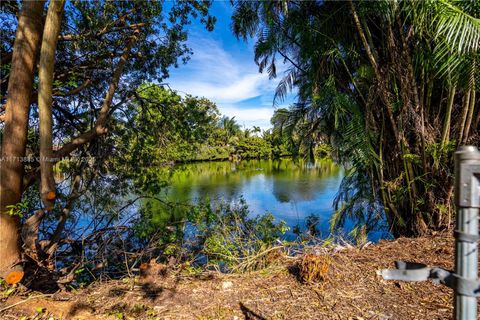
185, 129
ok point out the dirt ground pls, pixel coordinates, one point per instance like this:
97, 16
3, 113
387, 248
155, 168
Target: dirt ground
352, 290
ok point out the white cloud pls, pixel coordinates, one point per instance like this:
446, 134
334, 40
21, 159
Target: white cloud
249, 117
236, 90
248, 114
216, 74
227, 78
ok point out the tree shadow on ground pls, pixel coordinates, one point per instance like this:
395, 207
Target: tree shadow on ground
294, 270
78, 307
116, 292
40, 279
250, 314
151, 291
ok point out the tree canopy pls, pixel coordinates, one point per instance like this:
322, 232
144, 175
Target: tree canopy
105, 50
390, 84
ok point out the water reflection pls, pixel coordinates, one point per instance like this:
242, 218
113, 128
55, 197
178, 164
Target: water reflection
290, 189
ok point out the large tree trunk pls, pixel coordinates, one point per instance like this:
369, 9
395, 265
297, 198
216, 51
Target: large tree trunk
25, 50
45, 83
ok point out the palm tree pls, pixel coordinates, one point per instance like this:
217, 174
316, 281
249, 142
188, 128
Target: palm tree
392, 85
230, 126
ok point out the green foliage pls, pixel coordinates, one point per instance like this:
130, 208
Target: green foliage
225, 233
185, 129
372, 79
282, 145
6, 290
323, 150
180, 124
18, 209
40, 310
253, 147
105, 49
231, 236
209, 152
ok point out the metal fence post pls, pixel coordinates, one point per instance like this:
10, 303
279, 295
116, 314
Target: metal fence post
464, 281
467, 200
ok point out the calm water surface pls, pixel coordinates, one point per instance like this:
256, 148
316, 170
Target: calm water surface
290, 189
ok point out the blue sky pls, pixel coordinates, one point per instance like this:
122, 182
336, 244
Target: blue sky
223, 70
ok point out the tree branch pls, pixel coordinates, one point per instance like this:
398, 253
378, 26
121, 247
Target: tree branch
55, 238
71, 37
75, 91
99, 127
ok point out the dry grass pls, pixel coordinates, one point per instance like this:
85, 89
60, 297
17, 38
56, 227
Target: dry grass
314, 268
350, 289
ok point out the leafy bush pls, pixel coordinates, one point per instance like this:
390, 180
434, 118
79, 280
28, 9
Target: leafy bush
323, 150
223, 234
233, 237
253, 147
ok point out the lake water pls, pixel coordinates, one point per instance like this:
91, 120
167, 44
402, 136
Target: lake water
290, 189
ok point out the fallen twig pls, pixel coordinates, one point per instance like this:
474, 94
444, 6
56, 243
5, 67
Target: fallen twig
28, 299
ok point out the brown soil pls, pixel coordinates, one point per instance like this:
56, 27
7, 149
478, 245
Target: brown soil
351, 290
